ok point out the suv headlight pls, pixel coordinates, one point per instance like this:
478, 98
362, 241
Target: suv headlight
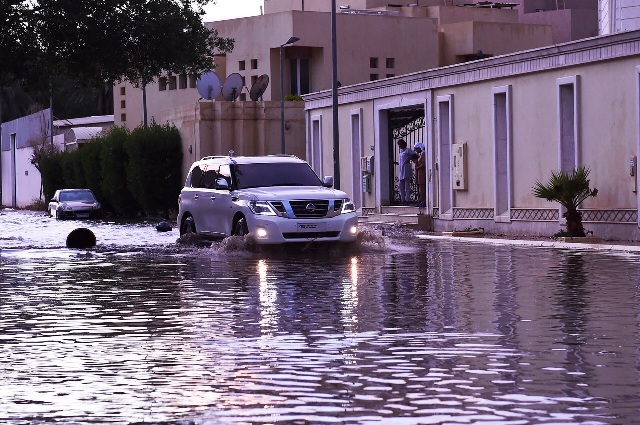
347, 206
261, 208
64, 207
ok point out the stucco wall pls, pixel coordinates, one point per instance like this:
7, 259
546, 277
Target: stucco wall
493, 39
604, 73
19, 176
247, 128
567, 24
606, 130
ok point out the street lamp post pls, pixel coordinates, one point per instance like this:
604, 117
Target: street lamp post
291, 40
334, 97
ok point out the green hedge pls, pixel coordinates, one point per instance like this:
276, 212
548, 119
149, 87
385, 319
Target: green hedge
154, 167
132, 173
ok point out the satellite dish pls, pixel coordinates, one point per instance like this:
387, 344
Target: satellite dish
232, 86
208, 85
258, 88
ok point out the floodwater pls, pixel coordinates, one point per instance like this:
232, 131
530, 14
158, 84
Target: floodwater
141, 329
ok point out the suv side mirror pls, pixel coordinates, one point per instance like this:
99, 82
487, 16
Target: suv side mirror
327, 181
222, 184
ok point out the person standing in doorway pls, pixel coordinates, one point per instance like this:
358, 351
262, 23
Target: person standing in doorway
421, 175
405, 171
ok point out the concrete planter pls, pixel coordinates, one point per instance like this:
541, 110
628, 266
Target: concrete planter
580, 239
464, 233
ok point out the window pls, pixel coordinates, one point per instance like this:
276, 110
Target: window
356, 154
568, 122
242, 66
373, 62
254, 63
172, 82
502, 153
244, 81
122, 91
391, 63
162, 83
193, 81
391, 75
445, 139
123, 104
123, 117
183, 81
300, 81
373, 77
254, 78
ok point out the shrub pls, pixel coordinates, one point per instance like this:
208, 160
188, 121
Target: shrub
113, 162
72, 170
51, 173
89, 157
294, 97
154, 171
569, 190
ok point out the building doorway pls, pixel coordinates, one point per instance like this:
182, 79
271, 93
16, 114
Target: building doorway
407, 124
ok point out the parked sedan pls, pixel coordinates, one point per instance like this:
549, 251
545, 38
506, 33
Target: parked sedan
74, 203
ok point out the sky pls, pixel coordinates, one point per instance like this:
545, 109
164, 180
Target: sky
230, 9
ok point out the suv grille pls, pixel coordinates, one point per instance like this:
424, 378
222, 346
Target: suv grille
279, 206
310, 208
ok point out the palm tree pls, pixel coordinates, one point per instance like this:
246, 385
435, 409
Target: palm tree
569, 189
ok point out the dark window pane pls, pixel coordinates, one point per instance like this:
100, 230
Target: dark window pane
293, 66
305, 86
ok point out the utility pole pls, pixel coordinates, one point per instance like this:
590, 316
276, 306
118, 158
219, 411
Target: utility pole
334, 91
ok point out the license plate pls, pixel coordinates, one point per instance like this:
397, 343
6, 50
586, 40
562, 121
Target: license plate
312, 227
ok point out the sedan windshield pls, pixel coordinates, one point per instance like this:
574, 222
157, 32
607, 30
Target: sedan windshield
77, 195
265, 175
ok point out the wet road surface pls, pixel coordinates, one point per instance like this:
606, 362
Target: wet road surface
141, 329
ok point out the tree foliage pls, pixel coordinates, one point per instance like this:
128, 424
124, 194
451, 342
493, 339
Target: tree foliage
98, 42
570, 190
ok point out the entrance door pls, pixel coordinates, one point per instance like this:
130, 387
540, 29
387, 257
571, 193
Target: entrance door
407, 124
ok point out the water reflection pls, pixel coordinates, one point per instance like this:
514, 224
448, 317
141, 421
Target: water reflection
421, 332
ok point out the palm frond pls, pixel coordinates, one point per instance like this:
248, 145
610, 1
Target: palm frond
568, 189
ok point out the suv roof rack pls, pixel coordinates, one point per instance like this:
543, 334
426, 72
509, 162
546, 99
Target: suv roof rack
283, 155
212, 157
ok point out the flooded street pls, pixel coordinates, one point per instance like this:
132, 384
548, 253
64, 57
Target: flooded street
141, 329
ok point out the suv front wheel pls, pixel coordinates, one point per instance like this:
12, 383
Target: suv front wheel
188, 226
241, 229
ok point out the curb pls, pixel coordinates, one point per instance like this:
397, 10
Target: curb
602, 246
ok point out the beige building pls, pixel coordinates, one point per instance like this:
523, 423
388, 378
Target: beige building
375, 41
492, 128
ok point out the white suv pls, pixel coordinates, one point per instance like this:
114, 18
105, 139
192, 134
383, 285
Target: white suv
275, 199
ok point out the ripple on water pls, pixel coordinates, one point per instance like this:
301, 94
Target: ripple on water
406, 332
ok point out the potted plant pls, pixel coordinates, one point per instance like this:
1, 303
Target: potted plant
570, 190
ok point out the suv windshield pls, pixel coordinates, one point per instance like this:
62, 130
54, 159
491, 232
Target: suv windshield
265, 175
